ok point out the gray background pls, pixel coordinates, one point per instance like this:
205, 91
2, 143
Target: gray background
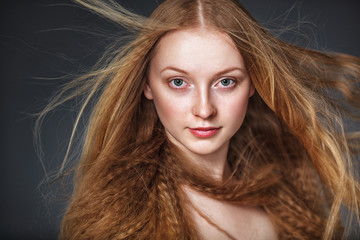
42, 39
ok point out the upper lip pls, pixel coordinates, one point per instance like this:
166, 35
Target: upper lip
204, 128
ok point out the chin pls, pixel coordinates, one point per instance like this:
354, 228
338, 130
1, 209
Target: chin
203, 150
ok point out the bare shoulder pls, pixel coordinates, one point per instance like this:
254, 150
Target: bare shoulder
232, 221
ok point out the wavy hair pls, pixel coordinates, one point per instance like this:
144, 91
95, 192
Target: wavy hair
293, 156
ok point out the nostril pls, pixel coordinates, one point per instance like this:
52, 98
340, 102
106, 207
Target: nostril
204, 110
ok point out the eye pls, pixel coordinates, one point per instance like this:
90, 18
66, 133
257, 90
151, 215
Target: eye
226, 82
177, 83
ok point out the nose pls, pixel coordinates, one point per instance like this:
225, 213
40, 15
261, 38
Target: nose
203, 106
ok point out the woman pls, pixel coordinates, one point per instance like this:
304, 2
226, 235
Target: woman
208, 127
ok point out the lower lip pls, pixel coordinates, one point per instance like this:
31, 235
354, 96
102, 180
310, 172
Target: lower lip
204, 133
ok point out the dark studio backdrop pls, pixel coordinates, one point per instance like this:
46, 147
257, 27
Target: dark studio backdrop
42, 41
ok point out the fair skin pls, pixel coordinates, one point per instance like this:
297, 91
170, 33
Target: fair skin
195, 88
200, 88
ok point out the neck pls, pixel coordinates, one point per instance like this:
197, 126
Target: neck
215, 164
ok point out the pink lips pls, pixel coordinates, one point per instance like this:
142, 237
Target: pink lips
204, 132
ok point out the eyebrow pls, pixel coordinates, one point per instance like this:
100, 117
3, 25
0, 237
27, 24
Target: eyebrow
230, 69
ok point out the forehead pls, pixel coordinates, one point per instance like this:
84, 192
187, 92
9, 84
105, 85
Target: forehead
197, 33
196, 49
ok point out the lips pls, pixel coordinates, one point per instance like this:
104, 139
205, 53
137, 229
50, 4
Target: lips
204, 132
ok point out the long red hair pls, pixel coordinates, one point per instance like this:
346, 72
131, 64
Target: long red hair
292, 156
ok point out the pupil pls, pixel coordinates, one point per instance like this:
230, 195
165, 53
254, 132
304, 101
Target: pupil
225, 82
178, 82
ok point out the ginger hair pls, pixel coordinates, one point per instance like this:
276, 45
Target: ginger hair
292, 156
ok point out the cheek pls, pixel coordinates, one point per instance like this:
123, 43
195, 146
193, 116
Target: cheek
165, 110
169, 109
236, 110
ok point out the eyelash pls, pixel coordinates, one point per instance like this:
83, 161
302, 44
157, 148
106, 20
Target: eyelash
231, 84
173, 85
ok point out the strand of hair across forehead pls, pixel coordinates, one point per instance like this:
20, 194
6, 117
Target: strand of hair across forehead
200, 13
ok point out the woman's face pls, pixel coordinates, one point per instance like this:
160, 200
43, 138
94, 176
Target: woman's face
200, 87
